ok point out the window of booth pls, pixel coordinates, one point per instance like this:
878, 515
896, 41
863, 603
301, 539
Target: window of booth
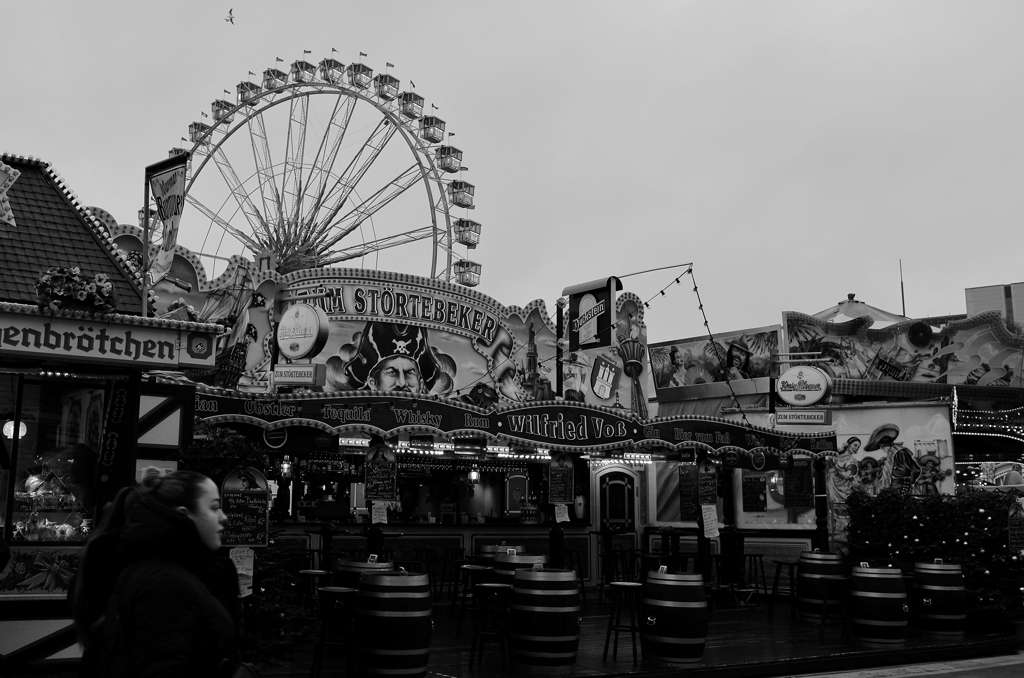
47, 488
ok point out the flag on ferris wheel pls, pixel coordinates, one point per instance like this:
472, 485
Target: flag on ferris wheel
165, 181
363, 54
389, 64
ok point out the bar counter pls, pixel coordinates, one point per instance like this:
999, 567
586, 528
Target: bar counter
410, 544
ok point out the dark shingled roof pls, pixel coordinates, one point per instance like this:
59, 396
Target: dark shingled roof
53, 229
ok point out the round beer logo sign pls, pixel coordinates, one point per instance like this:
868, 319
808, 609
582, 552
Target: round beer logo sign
803, 386
302, 332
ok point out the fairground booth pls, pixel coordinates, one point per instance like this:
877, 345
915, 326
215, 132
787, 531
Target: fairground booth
75, 412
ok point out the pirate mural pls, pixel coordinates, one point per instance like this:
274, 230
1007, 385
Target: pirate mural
391, 357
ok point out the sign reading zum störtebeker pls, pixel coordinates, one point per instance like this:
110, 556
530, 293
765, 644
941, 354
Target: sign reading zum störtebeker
803, 417
105, 341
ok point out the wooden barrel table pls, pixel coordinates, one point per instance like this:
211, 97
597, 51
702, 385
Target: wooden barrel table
544, 621
877, 606
348, 572
817, 581
940, 599
673, 618
392, 624
505, 566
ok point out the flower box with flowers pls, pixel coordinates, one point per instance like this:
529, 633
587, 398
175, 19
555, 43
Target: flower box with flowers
63, 288
179, 310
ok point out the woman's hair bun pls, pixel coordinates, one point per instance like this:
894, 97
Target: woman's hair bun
152, 477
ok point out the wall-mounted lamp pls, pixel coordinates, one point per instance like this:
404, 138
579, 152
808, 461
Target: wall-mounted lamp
286, 467
474, 476
9, 429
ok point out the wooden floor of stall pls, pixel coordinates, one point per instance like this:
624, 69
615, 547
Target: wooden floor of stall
743, 640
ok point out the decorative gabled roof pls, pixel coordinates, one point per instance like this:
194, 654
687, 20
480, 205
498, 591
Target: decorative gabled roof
51, 228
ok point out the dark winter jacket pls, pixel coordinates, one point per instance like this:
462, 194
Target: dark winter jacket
175, 605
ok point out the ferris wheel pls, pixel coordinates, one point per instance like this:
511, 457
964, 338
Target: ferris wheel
328, 165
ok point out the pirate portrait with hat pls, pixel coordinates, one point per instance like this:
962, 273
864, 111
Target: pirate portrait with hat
899, 468
389, 357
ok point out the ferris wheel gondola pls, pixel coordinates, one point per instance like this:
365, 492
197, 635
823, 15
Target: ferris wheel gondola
327, 165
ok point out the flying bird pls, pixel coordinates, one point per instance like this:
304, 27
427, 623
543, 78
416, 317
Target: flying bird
231, 16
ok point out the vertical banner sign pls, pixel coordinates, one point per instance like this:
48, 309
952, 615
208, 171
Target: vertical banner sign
592, 313
166, 181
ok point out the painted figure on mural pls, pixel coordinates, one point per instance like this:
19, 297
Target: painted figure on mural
843, 471
737, 362
927, 483
868, 472
900, 469
391, 357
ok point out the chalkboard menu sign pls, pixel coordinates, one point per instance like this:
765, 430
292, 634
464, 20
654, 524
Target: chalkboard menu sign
687, 492
247, 512
707, 488
1015, 524
245, 498
798, 485
381, 480
560, 480
755, 492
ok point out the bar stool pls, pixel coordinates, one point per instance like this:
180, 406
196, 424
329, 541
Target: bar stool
626, 565
624, 594
450, 563
648, 563
779, 564
425, 555
754, 563
311, 581
491, 619
574, 561
337, 610
471, 576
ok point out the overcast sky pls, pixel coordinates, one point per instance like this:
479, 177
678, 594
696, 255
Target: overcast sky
793, 151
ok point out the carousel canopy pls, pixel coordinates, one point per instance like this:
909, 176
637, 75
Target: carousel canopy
850, 309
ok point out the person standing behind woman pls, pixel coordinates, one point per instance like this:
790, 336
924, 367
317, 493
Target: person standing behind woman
174, 608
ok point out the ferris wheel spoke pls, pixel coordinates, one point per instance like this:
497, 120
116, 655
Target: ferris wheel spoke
264, 167
360, 163
226, 227
227, 172
291, 178
364, 249
372, 205
323, 164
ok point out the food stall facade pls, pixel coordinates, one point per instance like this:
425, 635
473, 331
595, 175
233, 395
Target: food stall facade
75, 409
467, 477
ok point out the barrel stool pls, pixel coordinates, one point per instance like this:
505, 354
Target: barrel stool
623, 594
311, 582
337, 608
492, 600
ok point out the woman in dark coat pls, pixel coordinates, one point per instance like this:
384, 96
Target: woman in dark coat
174, 607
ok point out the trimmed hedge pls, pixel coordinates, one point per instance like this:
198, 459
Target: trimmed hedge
969, 529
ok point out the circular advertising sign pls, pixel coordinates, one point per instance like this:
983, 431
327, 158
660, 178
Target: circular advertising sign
803, 386
302, 332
